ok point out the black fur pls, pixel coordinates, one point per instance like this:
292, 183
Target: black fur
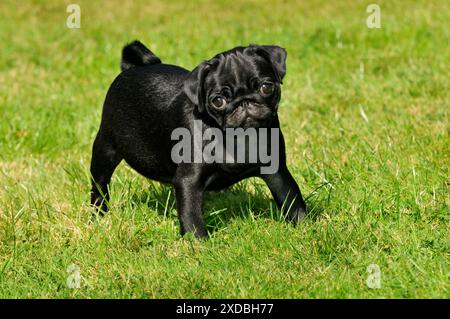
148, 100
137, 54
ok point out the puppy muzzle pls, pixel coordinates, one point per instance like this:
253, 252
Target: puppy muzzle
251, 114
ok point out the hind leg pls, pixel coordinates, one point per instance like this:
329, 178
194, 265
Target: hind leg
105, 159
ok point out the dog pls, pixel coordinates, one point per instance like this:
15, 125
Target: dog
239, 88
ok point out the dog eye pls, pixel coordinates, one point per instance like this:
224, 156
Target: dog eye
267, 88
218, 101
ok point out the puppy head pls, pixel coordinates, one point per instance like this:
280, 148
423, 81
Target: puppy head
240, 87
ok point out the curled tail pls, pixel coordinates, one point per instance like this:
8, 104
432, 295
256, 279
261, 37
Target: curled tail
136, 54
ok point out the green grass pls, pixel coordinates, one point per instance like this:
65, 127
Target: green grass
369, 151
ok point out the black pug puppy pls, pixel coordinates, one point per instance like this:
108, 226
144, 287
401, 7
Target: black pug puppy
239, 88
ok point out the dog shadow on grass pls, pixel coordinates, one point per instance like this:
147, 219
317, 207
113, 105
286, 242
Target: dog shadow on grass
246, 200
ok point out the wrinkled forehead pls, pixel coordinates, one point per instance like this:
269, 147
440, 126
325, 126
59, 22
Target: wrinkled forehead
237, 68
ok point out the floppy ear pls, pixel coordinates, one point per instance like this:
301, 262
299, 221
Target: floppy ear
276, 56
193, 85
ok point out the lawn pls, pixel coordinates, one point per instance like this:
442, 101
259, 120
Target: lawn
364, 113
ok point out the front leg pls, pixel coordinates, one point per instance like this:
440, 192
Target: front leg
189, 197
286, 193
